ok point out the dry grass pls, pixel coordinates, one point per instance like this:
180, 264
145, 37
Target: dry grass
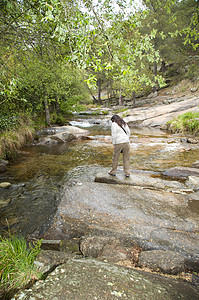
11, 141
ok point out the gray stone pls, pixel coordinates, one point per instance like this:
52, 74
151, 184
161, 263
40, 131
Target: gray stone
168, 262
91, 280
181, 172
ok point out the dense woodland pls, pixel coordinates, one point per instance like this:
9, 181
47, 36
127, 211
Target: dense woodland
56, 56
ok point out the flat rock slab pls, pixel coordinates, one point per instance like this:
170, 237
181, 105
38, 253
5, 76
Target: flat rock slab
145, 181
88, 279
154, 219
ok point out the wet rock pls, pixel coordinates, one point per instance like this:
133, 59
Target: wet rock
193, 182
168, 262
143, 180
181, 172
89, 279
5, 185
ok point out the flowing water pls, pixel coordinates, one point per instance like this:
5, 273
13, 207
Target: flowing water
39, 172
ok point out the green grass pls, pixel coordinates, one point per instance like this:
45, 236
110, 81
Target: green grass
17, 264
188, 122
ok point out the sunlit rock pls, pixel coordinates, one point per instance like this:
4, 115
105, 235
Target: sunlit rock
5, 185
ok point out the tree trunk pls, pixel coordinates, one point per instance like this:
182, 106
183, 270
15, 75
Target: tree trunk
163, 68
133, 98
121, 99
99, 90
47, 112
155, 74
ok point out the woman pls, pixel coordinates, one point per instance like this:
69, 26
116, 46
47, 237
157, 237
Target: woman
120, 138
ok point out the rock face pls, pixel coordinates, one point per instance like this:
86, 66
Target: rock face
157, 116
90, 279
151, 219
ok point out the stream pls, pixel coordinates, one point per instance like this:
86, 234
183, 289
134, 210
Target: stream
39, 172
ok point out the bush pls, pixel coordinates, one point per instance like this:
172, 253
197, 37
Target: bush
17, 264
188, 122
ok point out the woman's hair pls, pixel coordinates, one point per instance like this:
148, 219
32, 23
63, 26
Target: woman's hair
117, 119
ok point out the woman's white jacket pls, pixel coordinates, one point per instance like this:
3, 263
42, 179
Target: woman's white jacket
118, 134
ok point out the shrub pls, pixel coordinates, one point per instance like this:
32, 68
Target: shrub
17, 264
188, 122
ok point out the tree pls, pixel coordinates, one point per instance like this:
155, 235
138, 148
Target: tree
33, 60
